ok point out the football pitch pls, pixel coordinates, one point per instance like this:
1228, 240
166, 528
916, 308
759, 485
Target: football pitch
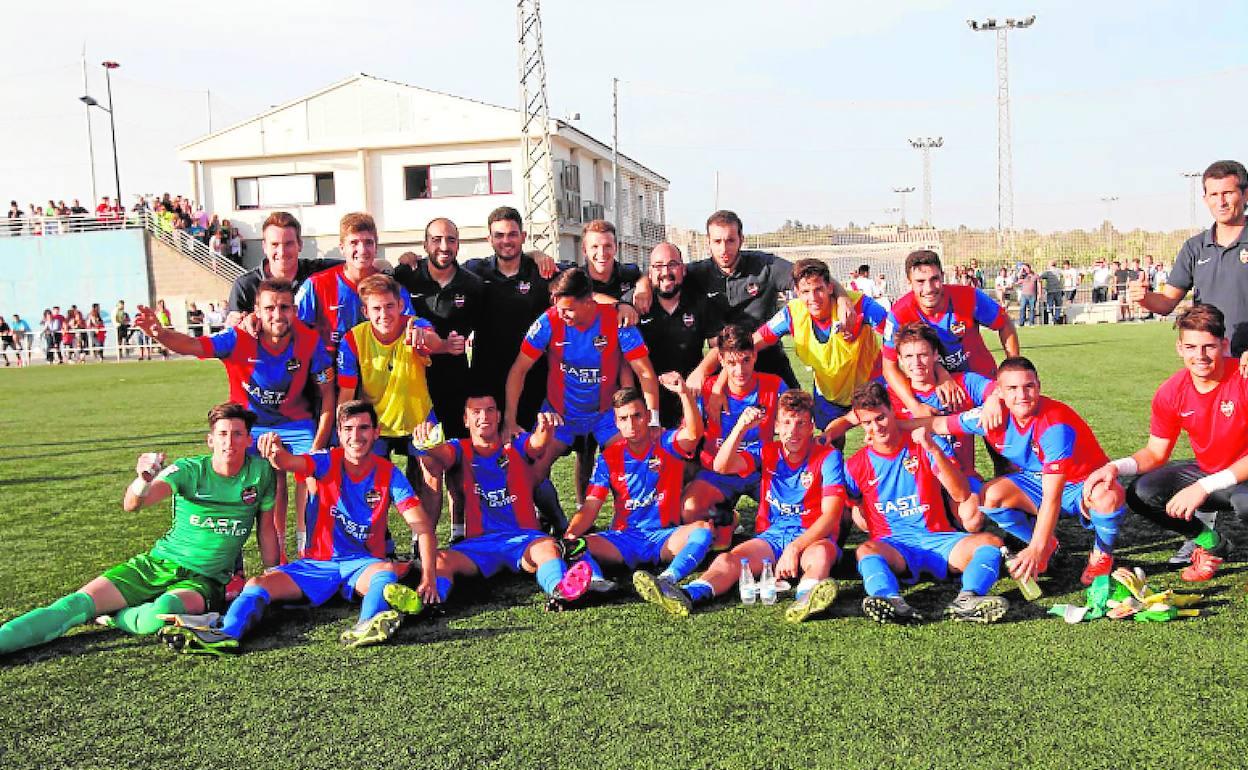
498, 682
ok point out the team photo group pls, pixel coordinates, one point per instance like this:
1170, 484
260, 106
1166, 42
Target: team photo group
449, 388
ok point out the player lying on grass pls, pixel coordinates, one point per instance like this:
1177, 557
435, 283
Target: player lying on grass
644, 473
1055, 452
500, 521
217, 500
1207, 399
346, 544
799, 513
899, 478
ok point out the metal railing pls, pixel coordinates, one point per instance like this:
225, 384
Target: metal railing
80, 346
191, 247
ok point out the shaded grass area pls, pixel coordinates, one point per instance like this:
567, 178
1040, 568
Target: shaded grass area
497, 682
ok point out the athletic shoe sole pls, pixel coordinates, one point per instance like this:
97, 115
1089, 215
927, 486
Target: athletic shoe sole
820, 598
403, 598
651, 591
881, 610
990, 610
575, 581
379, 628
186, 642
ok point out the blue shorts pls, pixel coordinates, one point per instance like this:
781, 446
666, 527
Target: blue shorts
321, 579
638, 546
732, 486
925, 552
296, 435
601, 426
494, 551
826, 411
1072, 495
779, 538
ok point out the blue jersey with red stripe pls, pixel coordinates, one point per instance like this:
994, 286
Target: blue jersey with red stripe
900, 493
584, 363
976, 386
346, 518
269, 383
765, 393
957, 324
329, 302
646, 486
1054, 440
791, 495
498, 487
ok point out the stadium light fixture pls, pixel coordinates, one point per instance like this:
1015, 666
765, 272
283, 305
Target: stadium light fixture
91, 101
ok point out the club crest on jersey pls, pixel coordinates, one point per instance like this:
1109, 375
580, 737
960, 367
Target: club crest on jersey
806, 479
688, 319
600, 342
911, 464
654, 464
459, 300
625, 287
1243, 256
752, 289
292, 365
249, 496
523, 287
372, 497
502, 459
1228, 408
958, 328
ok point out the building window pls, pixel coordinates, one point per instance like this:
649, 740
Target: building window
269, 192
453, 180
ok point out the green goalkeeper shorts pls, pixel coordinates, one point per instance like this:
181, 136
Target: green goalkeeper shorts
144, 577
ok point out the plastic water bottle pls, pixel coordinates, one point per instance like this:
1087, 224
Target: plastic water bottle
1029, 587
749, 592
767, 583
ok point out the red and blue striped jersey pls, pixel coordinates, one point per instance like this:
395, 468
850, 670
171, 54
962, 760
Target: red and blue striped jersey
269, 383
900, 493
791, 496
498, 487
766, 392
584, 363
646, 487
1055, 440
976, 386
346, 517
957, 324
329, 302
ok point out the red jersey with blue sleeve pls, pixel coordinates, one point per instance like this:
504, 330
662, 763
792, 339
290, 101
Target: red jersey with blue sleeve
975, 386
1055, 440
646, 486
346, 518
584, 363
765, 394
957, 324
791, 495
270, 383
867, 312
1216, 422
900, 493
330, 303
498, 487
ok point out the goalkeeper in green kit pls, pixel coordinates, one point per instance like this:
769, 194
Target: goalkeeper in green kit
218, 499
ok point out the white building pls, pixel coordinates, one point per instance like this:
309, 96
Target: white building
407, 155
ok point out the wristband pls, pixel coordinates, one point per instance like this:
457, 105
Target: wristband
138, 487
1127, 466
654, 419
1218, 481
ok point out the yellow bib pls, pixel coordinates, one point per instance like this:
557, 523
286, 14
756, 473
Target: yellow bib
840, 365
392, 379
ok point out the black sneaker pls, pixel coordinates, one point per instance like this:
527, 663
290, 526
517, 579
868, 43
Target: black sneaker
890, 609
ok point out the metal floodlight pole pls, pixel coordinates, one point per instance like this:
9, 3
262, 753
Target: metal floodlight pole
903, 191
90, 139
1108, 200
1005, 161
1193, 178
615, 154
927, 144
109, 66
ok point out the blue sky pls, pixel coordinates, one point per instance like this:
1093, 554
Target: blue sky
803, 109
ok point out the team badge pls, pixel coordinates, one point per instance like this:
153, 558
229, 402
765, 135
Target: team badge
1243, 256
806, 479
600, 342
459, 300
958, 328
911, 464
625, 287
688, 319
292, 365
502, 459
1228, 408
654, 464
372, 497
523, 287
752, 289
250, 496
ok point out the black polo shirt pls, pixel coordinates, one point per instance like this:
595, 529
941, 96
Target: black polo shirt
675, 341
243, 293
1219, 275
620, 285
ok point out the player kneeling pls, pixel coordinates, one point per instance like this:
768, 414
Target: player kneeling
801, 496
899, 478
218, 499
346, 544
644, 473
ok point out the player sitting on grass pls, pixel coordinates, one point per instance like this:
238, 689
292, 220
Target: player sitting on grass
799, 512
644, 473
346, 544
1055, 452
500, 520
217, 500
1208, 399
899, 479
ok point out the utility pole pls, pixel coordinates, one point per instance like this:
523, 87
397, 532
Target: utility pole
1005, 161
95, 197
615, 154
1193, 179
209, 110
537, 174
927, 144
902, 192
1108, 200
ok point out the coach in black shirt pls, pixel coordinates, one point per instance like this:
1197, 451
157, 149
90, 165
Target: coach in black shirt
282, 241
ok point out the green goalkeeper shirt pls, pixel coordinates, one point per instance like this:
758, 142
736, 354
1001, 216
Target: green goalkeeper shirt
213, 514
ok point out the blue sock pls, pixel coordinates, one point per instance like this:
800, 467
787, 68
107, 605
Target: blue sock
245, 611
1014, 521
982, 570
375, 600
700, 591
1105, 528
546, 499
689, 557
444, 588
594, 569
549, 573
877, 578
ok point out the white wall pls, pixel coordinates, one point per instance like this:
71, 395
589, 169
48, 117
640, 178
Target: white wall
316, 220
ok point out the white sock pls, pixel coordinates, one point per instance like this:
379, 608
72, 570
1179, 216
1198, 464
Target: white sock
805, 585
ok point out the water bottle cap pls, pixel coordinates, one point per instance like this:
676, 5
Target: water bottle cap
745, 561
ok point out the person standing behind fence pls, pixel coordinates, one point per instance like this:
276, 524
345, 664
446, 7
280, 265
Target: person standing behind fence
1101, 275
95, 331
1052, 294
15, 219
1028, 289
121, 320
7, 342
1070, 281
21, 333
1002, 284
50, 330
